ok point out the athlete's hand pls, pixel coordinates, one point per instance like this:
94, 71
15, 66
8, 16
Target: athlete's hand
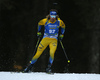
61, 36
39, 34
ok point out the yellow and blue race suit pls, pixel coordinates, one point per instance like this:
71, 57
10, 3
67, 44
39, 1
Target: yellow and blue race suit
51, 30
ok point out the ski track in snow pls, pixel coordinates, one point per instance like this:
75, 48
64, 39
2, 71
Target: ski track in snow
44, 76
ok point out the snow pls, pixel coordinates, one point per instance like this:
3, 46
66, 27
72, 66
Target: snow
44, 76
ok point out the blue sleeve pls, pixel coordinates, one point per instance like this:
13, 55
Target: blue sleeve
39, 28
62, 30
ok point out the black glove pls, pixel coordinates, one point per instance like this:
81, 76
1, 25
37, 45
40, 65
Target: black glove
39, 34
61, 36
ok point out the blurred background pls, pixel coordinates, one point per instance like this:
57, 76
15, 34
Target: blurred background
18, 35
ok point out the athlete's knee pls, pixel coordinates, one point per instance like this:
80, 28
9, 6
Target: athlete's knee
36, 56
40, 47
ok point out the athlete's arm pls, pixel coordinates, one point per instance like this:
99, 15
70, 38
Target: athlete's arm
41, 23
62, 25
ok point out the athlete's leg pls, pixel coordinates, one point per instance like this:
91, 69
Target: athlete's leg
43, 44
53, 47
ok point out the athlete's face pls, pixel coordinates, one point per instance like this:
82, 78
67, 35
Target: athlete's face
52, 18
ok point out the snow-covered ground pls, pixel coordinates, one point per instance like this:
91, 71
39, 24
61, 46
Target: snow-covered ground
44, 76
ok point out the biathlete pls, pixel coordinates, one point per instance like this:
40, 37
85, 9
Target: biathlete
51, 23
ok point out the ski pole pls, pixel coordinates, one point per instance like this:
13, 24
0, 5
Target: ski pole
36, 45
64, 51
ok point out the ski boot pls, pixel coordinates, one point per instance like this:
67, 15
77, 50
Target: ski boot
28, 69
48, 69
